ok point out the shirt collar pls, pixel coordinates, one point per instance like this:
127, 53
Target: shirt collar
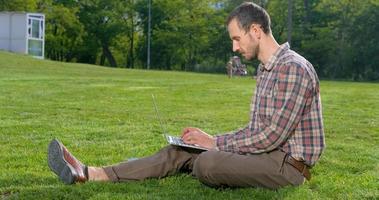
270, 63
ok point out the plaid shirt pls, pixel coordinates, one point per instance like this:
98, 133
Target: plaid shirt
285, 111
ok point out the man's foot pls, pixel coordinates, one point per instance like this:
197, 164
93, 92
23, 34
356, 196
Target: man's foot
69, 169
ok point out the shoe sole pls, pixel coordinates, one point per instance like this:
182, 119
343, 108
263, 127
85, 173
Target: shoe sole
57, 163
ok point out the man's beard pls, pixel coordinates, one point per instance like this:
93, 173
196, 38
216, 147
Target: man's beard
253, 49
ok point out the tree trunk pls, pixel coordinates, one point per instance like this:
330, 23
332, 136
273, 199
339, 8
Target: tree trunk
102, 59
108, 54
307, 12
289, 21
131, 47
168, 63
307, 18
131, 51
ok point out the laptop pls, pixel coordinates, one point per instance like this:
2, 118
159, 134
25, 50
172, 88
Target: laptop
173, 140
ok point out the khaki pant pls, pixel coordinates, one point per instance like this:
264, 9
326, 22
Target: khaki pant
213, 168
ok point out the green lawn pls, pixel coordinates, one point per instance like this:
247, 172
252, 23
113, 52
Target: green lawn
105, 115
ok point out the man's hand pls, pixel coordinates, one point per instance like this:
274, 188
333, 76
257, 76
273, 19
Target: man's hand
196, 136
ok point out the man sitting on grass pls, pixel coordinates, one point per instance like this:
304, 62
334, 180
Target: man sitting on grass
282, 141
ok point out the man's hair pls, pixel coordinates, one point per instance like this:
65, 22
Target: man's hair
249, 13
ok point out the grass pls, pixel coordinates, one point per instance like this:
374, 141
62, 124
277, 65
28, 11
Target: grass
106, 115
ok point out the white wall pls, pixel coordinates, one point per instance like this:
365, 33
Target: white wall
18, 32
4, 31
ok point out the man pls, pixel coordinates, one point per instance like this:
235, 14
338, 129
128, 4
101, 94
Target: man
283, 139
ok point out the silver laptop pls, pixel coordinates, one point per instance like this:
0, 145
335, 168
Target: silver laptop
173, 140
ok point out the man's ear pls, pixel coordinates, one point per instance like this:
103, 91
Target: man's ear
256, 31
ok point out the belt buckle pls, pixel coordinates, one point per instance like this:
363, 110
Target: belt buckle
298, 163
304, 167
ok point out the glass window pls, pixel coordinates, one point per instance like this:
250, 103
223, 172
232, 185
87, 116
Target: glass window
35, 28
35, 47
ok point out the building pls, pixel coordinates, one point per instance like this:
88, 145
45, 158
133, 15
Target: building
23, 33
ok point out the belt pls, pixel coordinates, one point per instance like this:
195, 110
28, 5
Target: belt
300, 166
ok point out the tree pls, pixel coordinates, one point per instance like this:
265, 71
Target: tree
131, 21
183, 32
103, 22
289, 21
365, 41
18, 5
338, 37
64, 32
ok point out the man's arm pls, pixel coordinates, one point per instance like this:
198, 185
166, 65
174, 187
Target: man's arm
294, 89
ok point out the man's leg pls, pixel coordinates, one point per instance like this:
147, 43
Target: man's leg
167, 161
217, 169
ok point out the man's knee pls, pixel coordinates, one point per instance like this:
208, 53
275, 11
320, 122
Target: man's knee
169, 150
205, 166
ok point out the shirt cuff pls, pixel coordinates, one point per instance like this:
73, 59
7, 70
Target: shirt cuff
221, 142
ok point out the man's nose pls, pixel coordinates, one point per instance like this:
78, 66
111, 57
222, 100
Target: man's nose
236, 47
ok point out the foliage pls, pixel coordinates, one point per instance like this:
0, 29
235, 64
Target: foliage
65, 32
339, 37
18, 5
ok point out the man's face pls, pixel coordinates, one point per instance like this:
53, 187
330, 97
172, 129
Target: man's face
244, 42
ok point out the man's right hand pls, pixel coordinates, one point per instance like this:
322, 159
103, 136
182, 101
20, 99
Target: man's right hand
196, 136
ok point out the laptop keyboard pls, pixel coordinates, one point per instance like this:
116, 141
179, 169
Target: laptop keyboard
176, 140
179, 142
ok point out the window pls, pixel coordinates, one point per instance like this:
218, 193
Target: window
35, 35
35, 28
35, 47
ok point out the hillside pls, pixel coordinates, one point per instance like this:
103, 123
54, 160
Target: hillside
106, 115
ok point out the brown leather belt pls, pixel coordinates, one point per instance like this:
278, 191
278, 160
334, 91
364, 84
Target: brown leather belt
300, 166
